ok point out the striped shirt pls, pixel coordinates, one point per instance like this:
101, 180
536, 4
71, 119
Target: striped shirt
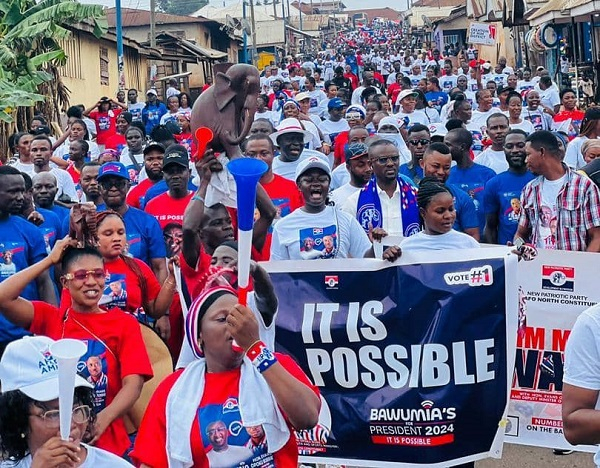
578, 207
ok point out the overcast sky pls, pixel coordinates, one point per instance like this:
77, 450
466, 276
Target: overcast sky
351, 4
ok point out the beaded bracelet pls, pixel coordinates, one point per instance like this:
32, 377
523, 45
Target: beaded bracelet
260, 356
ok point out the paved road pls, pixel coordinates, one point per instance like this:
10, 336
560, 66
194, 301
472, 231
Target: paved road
521, 456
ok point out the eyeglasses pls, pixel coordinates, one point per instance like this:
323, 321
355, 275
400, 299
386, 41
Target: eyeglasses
80, 415
422, 142
384, 161
120, 184
510, 146
356, 116
82, 275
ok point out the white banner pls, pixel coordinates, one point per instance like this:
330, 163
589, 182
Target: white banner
554, 289
483, 33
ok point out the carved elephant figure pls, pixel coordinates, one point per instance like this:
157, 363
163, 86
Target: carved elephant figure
228, 107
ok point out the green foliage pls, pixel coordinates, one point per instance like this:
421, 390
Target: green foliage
180, 7
29, 32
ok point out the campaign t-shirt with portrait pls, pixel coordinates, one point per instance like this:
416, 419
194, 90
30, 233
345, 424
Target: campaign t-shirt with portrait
167, 209
477, 132
568, 122
106, 124
115, 349
540, 120
134, 163
51, 228
331, 233
122, 288
472, 180
287, 198
466, 213
437, 99
136, 110
502, 198
549, 213
21, 245
333, 129
218, 422
447, 83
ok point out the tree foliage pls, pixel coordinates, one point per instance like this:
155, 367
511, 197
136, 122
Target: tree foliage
180, 7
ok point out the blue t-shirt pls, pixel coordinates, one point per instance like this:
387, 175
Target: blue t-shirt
22, 244
351, 60
472, 180
415, 174
159, 188
438, 99
151, 115
466, 214
144, 236
62, 213
51, 228
502, 197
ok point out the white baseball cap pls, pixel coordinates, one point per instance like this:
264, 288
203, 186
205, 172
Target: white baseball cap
28, 366
310, 163
406, 93
302, 96
151, 91
290, 125
437, 129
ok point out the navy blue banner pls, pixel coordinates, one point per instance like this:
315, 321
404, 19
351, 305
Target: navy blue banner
411, 360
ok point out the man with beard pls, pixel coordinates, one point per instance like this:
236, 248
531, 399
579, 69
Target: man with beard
26, 245
570, 202
419, 139
40, 150
144, 236
153, 163
497, 127
389, 199
436, 163
44, 192
89, 183
367, 82
502, 193
170, 206
467, 175
360, 169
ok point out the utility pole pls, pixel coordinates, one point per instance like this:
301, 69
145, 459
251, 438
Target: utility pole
275, 8
152, 23
120, 59
254, 54
244, 35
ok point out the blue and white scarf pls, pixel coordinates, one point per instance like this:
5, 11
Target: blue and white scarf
369, 214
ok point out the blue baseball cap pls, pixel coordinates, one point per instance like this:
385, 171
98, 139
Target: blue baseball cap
335, 103
113, 168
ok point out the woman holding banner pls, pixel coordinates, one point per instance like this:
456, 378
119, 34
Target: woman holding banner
29, 415
207, 412
116, 361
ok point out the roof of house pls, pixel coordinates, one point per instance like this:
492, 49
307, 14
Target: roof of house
133, 17
387, 12
437, 3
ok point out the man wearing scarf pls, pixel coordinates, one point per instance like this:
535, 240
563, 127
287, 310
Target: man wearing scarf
389, 201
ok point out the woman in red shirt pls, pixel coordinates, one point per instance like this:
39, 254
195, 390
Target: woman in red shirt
116, 361
191, 416
105, 117
569, 116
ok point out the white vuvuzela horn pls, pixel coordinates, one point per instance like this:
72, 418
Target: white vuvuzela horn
67, 353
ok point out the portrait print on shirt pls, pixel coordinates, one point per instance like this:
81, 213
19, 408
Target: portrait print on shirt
321, 242
115, 291
8, 252
227, 442
94, 368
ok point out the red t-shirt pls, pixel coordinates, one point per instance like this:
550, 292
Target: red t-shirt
116, 142
106, 124
122, 287
393, 91
73, 172
219, 403
115, 349
135, 197
195, 277
339, 147
167, 209
576, 117
286, 197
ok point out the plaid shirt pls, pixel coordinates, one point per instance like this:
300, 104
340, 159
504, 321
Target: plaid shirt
578, 207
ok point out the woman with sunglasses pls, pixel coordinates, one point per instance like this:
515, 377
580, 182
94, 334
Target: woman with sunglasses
29, 415
130, 284
113, 337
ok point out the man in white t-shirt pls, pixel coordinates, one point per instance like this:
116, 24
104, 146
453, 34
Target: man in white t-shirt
493, 157
336, 123
41, 151
360, 169
561, 207
291, 137
549, 96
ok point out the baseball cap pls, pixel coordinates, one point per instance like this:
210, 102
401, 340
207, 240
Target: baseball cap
437, 129
310, 163
153, 145
355, 151
357, 108
113, 168
486, 66
176, 154
151, 91
28, 366
302, 96
540, 68
406, 93
503, 89
389, 120
335, 103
